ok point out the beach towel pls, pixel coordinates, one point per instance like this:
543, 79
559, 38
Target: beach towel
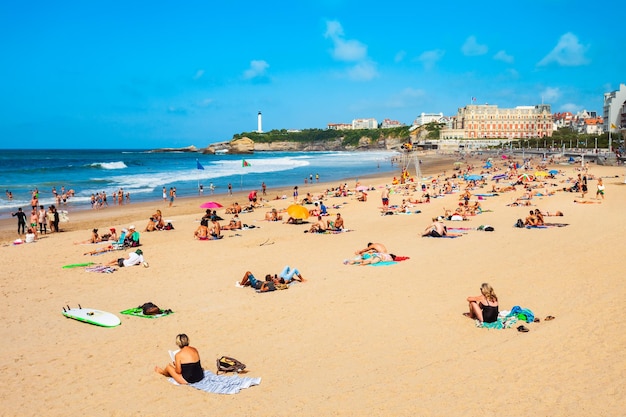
384, 263
446, 236
103, 269
222, 384
334, 232
138, 312
547, 226
501, 323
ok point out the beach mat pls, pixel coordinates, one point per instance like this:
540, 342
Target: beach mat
102, 269
70, 266
138, 312
222, 384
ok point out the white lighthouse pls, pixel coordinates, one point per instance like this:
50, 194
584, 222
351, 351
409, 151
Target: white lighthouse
260, 123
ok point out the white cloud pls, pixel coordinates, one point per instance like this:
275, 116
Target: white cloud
407, 97
550, 94
205, 102
399, 56
503, 56
571, 107
257, 69
349, 50
568, 52
430, 58
363, 71
198, 74
471, 47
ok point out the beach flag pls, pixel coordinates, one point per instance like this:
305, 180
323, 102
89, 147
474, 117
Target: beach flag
474, 99
245, 163
199, 165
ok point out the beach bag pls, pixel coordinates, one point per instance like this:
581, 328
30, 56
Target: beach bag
150, 309
228, 364
520, 223
168, 227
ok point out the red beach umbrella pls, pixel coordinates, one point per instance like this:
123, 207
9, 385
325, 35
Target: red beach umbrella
211, 205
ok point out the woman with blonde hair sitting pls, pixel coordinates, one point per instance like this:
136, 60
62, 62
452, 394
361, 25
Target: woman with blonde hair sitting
484, 307
156, 222
186, 368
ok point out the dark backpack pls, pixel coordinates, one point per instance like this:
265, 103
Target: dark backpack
150, 309
228, 364
520, 223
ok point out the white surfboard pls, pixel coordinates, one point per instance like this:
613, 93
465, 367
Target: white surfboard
92, 316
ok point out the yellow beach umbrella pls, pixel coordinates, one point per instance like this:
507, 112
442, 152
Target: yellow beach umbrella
541, 174
298, 212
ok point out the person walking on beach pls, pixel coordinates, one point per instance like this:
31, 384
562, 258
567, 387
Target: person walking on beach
295, 194
263, 188
230, 189
164, 195
21, 221
385, 197
600, 190
172, 196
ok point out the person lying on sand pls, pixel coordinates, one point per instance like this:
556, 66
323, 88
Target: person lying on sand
234, 224
369, 258
249, 280
134, 258
587, 202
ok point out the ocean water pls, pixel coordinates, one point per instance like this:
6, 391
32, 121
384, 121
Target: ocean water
143, 174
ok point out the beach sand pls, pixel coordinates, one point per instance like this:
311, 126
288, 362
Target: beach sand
352, 340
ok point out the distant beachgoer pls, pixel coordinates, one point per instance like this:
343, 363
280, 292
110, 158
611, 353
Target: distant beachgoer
31, 236
21, 221
172, 196
337, 224
584, 185
295, 194
42, 220
320, 226
156, 222
600, 190
484, 307
95, 238
263, 188
202, 232
261, 286
531, 219
384, 195
230, 189
436, 229
164, 194
186, 368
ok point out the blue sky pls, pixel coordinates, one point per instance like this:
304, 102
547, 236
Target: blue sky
139, 74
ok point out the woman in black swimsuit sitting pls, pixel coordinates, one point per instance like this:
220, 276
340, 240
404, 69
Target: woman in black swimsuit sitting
485, 306
186, 368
